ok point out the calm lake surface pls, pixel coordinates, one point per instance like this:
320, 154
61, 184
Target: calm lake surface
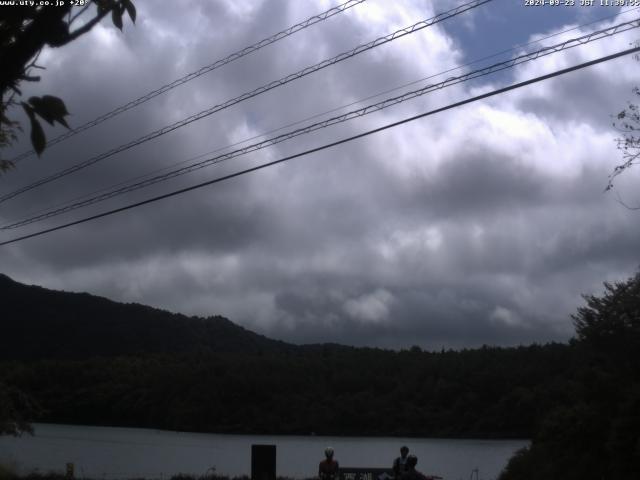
105, 452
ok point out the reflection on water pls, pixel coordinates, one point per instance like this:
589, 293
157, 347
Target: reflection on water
104, 452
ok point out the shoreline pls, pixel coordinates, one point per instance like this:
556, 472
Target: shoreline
121, 453
288, 435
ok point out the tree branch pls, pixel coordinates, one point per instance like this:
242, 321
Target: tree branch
82, 10
624, 204
88, 26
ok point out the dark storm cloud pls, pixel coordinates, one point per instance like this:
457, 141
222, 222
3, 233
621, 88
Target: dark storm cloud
479, 226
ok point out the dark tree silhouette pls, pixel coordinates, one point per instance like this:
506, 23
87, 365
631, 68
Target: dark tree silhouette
24, 32
595, 432
16, 410
612, 320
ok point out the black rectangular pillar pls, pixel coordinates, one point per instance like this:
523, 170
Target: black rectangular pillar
263, 462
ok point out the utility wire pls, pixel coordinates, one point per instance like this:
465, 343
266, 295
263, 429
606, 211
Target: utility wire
270, 86
329, 145
571, 43
326, 112
193, 75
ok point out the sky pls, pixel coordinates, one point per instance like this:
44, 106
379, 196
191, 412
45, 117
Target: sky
484, 224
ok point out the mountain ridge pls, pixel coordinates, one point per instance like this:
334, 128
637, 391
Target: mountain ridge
55, 324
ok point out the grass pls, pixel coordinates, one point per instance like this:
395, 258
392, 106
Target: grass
8, 473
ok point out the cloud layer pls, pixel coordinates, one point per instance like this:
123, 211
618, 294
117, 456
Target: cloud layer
480, 225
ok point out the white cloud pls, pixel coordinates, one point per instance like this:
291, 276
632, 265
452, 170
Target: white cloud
371, 307
499, 203
506, 317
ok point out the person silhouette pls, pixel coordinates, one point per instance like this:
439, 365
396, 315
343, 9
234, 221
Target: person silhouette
413, 474
400, 463
329, 468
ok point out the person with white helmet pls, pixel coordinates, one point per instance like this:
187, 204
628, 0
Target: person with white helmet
329, 468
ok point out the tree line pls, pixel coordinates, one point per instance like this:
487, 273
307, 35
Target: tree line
485, 393
579, 402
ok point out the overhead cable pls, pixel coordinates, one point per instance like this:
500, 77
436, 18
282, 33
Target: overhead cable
198, 73
571, 43
327, 112
265, 88
148, 174
328, 145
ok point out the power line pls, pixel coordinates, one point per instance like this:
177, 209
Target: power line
193, 75
270, 86
328, 145
571, 43
326, 112
339, 119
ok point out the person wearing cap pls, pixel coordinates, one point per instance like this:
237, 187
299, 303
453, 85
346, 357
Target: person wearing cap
328, 468
400, 463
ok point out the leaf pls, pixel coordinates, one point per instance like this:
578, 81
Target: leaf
57, 33
103, 6
131, 9
6, 165
37, 107
57, 108
4, 120
116, 16
51, 109
38, 139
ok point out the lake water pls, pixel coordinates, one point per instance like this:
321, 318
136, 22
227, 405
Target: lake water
105, 452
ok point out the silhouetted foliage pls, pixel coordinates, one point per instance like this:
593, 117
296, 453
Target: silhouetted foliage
24, 31
596, 434
355, 392
61, 325
628, 123
59, 476
89, 360
610, 324
16, 410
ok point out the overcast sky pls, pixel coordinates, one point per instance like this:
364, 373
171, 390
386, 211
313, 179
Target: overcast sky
480, 225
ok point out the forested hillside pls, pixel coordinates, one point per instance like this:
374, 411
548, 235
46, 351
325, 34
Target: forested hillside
484, 393
49, 324
130, 365
89, 360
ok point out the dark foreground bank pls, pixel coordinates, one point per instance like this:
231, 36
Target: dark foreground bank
9, 474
